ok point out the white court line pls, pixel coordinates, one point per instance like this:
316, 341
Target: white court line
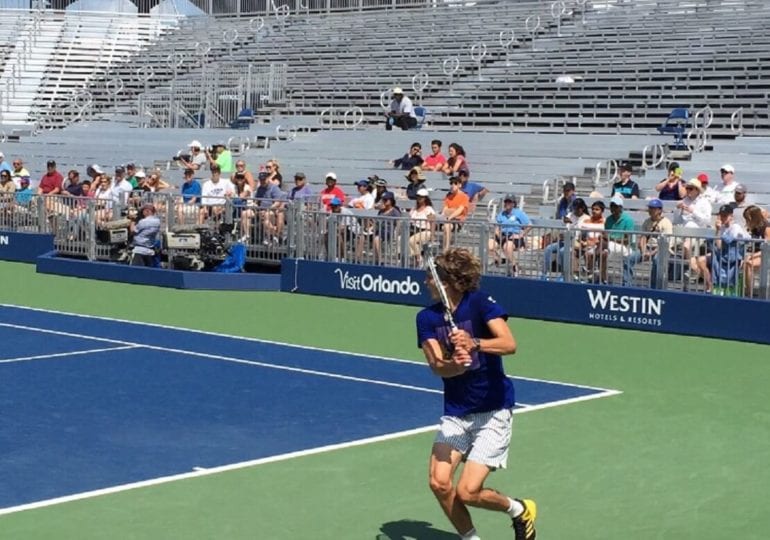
257, 340
61, 355
234, 360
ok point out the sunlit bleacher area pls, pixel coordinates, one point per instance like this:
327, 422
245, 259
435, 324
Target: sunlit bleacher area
539, 94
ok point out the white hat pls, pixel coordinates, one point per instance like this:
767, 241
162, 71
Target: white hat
727, 168
397, 90
140, 174
617, 199
96, 169
195, 144
331, 175
695, 183
2, 156
422, 192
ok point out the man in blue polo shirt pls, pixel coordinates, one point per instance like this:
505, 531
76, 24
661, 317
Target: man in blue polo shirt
473, 190
513, 224
478, 396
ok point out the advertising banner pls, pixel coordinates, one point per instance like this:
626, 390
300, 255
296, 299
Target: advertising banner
24, 247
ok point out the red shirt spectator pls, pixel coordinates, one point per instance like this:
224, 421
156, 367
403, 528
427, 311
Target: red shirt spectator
436, 160
51, 182
331, 191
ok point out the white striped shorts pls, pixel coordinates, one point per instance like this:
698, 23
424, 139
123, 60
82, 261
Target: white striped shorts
481, 437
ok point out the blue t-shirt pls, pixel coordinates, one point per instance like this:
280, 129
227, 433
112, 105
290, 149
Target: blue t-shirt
484, 387
513, 222
190, 190
471, 189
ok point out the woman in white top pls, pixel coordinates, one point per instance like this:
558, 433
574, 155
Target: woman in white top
421, 221
365, 199
593, 228
692, 212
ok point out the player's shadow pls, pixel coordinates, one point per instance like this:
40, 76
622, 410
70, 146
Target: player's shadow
409, 529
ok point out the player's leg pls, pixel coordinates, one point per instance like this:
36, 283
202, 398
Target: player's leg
443, 463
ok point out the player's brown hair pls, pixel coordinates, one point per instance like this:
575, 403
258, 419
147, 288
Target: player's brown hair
459, 269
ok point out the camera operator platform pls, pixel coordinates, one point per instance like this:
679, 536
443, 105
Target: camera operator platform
145, 237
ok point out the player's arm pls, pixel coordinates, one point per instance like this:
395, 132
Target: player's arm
444, 368
502, 341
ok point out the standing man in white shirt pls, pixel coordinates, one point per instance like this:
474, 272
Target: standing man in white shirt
401, 112
725, 193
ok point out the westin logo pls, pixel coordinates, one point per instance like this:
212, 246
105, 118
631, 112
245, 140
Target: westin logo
610, 307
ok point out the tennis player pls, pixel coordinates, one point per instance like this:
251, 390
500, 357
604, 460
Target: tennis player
478, 397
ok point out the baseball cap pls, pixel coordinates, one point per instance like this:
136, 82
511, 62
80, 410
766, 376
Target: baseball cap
673, 166
397, 90
726, 209
616, 200
51, 163
509, 197
130, 166
262, 176
335, 202
388, 195
195, 144
422, 192
300, 175
381, 182
727, 168
740, 188
704, 178
695, 183
655, 203
24, 180
2, 155
362, 183
119, 169
95, 169
625, 166
331, 175
140, 174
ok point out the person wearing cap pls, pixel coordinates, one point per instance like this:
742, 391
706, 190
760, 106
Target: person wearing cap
625, 187
301, 189
512, 227
25, 193
694, 211
421, 222
52, 181
221, 156
4, 165
73, 187
197, 159
740, 202
709, 193
331, 190
121, 188
720, 266
411, 159
400, 112
240, 167
131, 175
617, 241
565, 201
385, 229
19, 172
473, 190
213, 194
145, 237
348, 231
365, 199
436, 160
380, 189
416, 180
725, 191
191, 196
455, 210
647, 244
672, 188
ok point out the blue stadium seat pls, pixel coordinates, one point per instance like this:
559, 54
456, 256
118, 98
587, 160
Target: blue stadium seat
244, 120
676, 124
422, 114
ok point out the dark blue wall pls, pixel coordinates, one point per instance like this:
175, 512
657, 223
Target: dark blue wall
24, 247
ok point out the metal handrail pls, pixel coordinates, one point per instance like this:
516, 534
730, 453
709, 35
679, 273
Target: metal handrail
736, 121
656, 154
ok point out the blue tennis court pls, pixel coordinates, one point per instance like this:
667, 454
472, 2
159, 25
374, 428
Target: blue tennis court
89, 403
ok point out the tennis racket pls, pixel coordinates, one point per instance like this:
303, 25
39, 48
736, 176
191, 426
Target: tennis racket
448, 317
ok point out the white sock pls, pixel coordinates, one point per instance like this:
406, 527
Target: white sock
515, 509
470, 535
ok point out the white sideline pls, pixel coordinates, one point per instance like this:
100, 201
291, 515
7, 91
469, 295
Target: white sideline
63, 354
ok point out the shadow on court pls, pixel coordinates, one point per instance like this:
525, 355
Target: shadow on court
407, 529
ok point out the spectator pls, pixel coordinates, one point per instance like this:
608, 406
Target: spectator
513, 224
191, 196
365, 199
4, 166
385, 229
672, 188
300, 190
120, 175
617, 240
24, 194
400, 112
694, 211
421, 218
625, 187
455, 210
7, 190
220, 155
19, 173
213, 195
240, 167
566, 200
330, 191
416, 180
740, 203
457, 161
87, 188
647, 244
197, 159
273, 169
591, 238
473, 190
708, 192
52, 180
270, 201
154, 183
145, 233
719, 267
242, 199
131, 175
73, 187
577, 215
380, 189
725, 192
409, 160
436, 160
103, 196
95, 173
758, 227
347, 229
121, 189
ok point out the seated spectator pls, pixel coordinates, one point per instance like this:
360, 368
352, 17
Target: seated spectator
385, 230
95, 173
577, 215
400, 112
4, 166
300, 190
647, 244
566, 200
590, 239
473, 190
513, 225
197, 160
120, 190
220, 155
694, 211
380, 189
145, 237
416, 180
103, 196
273, 170
409, 160
456, 162
19, 173
154, 183
73, 186
24, 194
365, 199
191, 197
242, 200
436, 160
7, 190
271, 204
719, 266
52, 181
758, 227
131, 175
347, 231
625, 187
741, 202
214, 193
617, 241
330, 191
725, 191
672, 188
708, 192
422, 218
455, 210
120, 175
240, 167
